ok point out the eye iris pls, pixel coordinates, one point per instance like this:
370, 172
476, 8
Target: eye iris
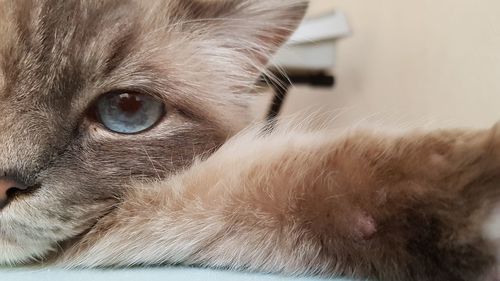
129, 113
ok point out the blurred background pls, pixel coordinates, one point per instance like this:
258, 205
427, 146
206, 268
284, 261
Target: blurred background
412, 62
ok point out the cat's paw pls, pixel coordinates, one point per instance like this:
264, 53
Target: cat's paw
471, 180
429, 195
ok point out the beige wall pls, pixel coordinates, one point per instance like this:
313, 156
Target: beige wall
320, 6
414, 61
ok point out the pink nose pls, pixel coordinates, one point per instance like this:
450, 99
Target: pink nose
6, 186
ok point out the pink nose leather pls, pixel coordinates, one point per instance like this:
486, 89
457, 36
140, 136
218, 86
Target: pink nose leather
5, 185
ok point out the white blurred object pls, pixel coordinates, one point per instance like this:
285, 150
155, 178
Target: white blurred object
312, 46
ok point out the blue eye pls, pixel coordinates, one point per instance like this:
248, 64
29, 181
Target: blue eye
129, 112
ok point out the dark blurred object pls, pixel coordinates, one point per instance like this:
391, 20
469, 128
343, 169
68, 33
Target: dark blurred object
307, 59
280, 84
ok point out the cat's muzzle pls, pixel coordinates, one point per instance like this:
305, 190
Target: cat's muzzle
8, 188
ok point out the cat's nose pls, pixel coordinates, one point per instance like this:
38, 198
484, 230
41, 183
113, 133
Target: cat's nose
7, 186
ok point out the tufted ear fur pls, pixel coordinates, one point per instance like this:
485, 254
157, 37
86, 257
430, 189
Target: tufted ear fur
254, 29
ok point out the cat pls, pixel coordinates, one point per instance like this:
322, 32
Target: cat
121, 144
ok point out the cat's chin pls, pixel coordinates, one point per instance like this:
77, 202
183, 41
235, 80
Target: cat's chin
12, 254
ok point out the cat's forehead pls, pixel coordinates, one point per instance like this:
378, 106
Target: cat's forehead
50, 47
56, 50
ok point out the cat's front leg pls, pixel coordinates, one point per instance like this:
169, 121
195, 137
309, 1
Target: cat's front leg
362, 205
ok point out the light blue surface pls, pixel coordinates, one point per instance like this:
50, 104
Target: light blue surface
146, 274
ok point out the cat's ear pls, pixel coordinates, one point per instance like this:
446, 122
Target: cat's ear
253, 28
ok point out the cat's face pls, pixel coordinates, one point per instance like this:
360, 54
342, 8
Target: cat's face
198, 59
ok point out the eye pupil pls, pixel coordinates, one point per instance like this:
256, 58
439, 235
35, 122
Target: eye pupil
129, 104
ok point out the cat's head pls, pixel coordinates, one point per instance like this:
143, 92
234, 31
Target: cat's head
96, 94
